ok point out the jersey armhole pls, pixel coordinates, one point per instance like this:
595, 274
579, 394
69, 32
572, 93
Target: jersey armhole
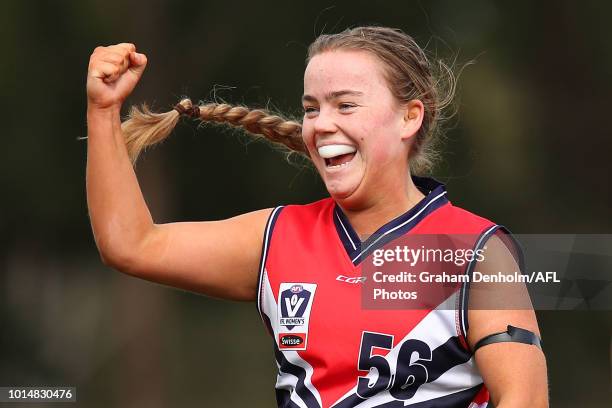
267, 238
517, 252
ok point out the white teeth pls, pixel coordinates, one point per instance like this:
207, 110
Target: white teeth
338, 165
329, 151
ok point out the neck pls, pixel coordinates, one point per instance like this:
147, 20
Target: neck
367, 219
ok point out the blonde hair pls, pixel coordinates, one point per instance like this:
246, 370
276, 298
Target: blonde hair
408, 72
144, 128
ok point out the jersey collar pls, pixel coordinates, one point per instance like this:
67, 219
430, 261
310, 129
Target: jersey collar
435, 197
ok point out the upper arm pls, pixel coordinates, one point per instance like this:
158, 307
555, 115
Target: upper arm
216, 258
514, 373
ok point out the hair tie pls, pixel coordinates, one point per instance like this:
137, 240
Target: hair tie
193, 112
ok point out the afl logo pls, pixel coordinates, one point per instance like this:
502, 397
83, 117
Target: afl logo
291, 340
296, 288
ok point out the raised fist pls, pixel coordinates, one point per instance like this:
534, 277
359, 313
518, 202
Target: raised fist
113, 73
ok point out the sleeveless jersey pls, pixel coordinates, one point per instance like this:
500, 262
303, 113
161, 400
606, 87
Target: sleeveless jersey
330, 351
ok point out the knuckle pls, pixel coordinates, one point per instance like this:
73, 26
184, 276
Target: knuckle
115, 58
127, 47
97, 51
93, 63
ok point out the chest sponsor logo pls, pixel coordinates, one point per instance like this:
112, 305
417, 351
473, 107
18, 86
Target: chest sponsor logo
291, 340
351, 279
294, 305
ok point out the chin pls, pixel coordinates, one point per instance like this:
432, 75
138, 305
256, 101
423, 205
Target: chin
343, 187
344, 194
339, 192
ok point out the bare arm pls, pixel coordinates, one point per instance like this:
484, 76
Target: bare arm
218, 258
514, 373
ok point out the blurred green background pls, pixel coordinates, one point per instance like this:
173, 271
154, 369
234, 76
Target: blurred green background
529, 149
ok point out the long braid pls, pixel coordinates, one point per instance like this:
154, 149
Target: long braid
144, 128
258, 122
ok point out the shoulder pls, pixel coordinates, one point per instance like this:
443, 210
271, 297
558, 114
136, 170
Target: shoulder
458, 214
309, 210
314, 206
295, 220
451, 219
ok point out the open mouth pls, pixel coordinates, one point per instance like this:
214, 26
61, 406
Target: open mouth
336, 156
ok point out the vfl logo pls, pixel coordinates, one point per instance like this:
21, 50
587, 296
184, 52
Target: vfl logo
294, 305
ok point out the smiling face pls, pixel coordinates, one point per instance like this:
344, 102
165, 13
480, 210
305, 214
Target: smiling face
356, 132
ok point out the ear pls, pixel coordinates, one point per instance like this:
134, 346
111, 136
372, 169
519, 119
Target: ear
414, 111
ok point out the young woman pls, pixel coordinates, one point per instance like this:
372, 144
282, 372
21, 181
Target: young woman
371, 105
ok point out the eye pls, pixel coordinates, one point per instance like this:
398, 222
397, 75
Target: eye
345, 106
309, 110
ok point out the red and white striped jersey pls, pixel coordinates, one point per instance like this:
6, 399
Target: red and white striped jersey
330, 350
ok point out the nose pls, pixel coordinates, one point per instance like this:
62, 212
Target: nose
324, 123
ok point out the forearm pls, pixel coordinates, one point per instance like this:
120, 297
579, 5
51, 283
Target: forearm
118, 212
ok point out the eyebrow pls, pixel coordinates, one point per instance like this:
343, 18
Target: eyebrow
333, 95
